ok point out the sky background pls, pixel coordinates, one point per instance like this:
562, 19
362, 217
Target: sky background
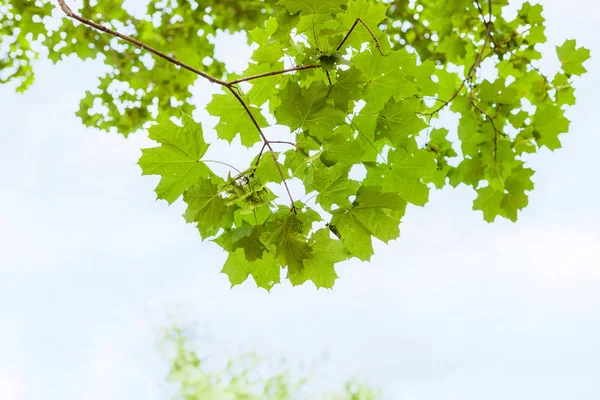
91, 267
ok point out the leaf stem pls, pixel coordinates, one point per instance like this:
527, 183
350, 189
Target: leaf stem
249, 78
475, 66
266, 143
223, 163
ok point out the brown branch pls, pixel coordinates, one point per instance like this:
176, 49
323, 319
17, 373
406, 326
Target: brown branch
137, 43
474, 67
266, 143
249, 78
262, 150
368, 29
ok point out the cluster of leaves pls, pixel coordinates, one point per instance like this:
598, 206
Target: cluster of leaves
359, 84
247, 377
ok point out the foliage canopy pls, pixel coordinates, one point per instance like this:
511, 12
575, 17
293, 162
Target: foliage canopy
359, 83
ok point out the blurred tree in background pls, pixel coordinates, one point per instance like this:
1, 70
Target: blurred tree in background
247, 376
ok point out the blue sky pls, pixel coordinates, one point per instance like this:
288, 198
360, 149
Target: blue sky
91, 266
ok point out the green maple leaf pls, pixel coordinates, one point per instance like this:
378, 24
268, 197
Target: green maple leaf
342, 147
308, 109
565, 93
320, 269
453, 47
177, 159
515, 199
333, 185
205, 205
512, 203
347, 88
406, 173
387, 76
572, 58
373, 214
292, 247
470, 172
265, 271
398, 121
307, 7
489, 201
252, 244
269, 50
549, 122
267, 170
234, 120
263, 89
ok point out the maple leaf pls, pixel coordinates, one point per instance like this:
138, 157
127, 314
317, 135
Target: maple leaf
342, 147
572, 58
285, 233
333, 185
269, 50
320, 269
565, 93
265, 271
307, 7
374, 213
308, 109
489, 201
515, 198
398, 121
263, 89
177, 159
347, 88
267, 170
406, 173
234, 120
390, 76
549, 121
205, 205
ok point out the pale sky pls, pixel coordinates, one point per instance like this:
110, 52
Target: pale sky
91, 266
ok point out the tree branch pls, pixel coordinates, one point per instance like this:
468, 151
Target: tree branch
474, 67
368, 29
266, 143
249, 78
137, 43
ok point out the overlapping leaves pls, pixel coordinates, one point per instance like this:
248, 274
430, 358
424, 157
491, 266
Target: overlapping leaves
364, 98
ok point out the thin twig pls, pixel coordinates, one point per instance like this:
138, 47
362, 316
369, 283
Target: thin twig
223, 163
474, 67
249, 78
368, 29
496, 132
328, 77
266, 143
262, 150
283, 142
137, 43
